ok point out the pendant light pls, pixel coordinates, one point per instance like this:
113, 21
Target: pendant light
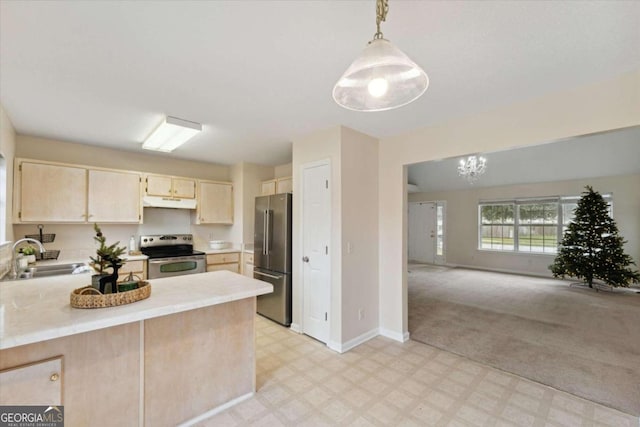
382, 77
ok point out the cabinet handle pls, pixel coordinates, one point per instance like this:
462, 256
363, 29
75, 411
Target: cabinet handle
54, 377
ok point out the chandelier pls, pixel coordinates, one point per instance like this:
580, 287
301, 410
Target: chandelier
382, 77
472, 168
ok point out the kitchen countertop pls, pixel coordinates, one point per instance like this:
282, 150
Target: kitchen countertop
220, 251
134, 257
36, 310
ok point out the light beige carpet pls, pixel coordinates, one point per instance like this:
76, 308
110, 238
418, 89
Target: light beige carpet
573, 339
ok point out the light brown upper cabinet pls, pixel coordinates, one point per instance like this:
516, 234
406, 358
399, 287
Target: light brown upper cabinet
284, 185
277, 186
60, 193
168, 186
50, 193
269, 187
114, 196
215, 204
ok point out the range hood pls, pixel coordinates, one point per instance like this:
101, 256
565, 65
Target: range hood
168, 202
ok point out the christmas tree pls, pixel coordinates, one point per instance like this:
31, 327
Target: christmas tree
591, 247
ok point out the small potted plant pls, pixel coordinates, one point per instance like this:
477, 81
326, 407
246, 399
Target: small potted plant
107, 257
30, 253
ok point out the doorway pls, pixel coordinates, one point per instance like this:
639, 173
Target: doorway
426, 232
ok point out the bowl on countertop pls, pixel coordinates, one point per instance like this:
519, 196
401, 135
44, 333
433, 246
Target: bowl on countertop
218, 244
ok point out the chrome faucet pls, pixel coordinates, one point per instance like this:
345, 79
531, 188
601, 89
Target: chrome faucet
14, 269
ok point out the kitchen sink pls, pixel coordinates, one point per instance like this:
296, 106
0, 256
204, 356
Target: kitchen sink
50, 270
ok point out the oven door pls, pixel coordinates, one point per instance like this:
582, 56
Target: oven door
175, 266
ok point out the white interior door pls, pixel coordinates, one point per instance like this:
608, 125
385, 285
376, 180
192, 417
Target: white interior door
316, 232
422, 232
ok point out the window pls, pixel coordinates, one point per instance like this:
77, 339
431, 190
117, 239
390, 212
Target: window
497, 227
538, 227
3, 199
540, 223
439, 229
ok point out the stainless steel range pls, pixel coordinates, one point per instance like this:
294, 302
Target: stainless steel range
172, 255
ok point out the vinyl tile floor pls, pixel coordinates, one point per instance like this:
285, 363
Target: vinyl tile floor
300, 382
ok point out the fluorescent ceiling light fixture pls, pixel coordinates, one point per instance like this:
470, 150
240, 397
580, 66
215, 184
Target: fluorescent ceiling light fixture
382, 77
171, 134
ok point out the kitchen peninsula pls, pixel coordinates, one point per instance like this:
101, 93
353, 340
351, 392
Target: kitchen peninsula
167, 360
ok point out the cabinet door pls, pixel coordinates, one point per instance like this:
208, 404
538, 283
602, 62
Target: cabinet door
38, 383
158, 185
138, 268
114, 196
269, 187
52, 193
216, 203
234, 267
184, 188
248, 269
284, 185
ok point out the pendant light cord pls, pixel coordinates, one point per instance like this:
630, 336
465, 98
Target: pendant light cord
382, 7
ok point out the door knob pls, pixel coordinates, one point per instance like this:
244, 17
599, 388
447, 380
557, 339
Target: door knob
305, 259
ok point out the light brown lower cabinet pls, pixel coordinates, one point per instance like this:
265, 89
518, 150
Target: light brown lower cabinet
101, 380
37, 383
226, 261
138, 268
247, 269
158, 372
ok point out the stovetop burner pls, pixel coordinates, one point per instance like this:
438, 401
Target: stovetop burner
168, 245
165, 253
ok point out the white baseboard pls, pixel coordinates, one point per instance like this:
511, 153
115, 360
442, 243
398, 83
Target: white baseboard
295, 328
335, 346
396, 336
499, 270
360, 339
216, 410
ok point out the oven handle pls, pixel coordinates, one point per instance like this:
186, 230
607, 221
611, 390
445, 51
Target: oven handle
165, 260
267, 275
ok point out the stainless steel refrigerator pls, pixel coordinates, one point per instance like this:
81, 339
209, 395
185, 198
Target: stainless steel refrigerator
272, 255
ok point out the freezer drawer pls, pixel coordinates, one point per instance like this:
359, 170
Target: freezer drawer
277, 305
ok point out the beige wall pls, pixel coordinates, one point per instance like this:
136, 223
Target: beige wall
7, 149
353, 160
606, 105
359, 241
237, 177
461, 238
253, 175
320, 145
60, 151
281, 171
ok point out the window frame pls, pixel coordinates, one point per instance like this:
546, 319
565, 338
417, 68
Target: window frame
516, 203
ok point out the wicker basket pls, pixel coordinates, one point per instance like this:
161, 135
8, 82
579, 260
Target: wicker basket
89, 297
48, 254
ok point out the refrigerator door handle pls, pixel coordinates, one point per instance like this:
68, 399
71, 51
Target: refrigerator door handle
268, 232
267, 275
266, 235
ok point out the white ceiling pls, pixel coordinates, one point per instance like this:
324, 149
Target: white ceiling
616, 152
259, 73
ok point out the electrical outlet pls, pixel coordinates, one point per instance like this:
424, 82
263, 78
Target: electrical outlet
360, 313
